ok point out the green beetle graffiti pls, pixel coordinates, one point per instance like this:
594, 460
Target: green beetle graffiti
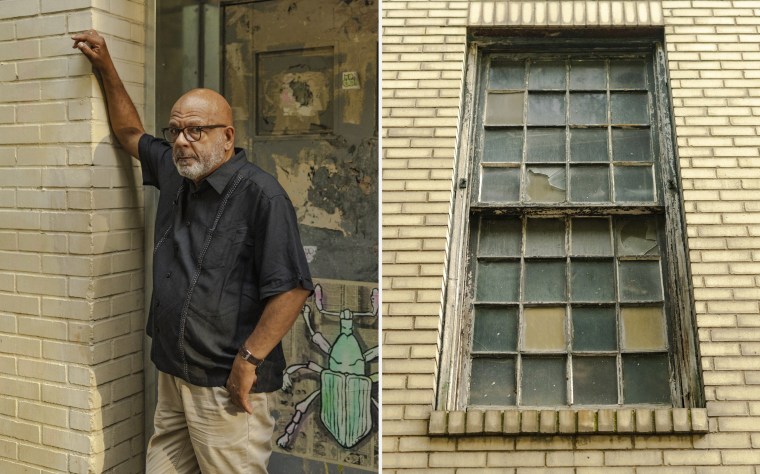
345, 388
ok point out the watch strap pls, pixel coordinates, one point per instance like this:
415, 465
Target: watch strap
250, 358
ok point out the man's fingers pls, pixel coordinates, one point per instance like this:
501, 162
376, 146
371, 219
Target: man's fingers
85, 49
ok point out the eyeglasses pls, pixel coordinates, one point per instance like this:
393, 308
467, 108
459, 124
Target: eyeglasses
191, 133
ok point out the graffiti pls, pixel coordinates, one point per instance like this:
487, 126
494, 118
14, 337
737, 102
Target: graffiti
345, 390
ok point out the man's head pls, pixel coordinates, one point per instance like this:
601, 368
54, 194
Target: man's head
198, 151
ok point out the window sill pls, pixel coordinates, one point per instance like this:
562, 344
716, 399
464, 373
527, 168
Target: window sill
515, 422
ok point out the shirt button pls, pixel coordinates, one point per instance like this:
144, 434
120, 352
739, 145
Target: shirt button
169, 275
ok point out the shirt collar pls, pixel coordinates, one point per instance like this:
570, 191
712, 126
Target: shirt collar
222, 175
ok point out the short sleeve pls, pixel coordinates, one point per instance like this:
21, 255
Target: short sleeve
155, 160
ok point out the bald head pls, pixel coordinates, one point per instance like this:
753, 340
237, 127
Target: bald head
206, 102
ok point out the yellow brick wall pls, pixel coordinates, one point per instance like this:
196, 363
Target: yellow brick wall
71, 245
714, 59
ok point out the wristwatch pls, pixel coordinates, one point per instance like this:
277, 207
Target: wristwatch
250, 358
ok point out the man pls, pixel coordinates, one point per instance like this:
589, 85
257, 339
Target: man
229, 279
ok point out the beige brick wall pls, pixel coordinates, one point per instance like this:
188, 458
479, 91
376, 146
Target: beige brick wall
71, 245
714, 58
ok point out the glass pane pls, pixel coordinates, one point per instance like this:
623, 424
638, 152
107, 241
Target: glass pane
588, 109
545, 145
594, 329
492, 382
593, 281
500, 237
594, 381
636, 236
544, 329
504, 108
546, 109
547, 75
633, 183
546, 184
589, 183
502, 146
543, 381
545, 237
640, 281
628, 75
643, 328
588, 144
591, 236
586, 75
629, 108
646, 379
507, 75
500, 184
495, 329
497, 281
631, 144
545, 281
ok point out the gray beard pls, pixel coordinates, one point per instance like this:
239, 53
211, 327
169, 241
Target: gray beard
202, 164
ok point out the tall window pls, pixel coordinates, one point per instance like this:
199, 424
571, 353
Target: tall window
569, 251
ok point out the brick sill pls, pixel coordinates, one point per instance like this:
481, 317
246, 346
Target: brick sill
515, 422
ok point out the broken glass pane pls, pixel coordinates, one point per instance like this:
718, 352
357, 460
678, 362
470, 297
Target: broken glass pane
492, 382
504, 108
646, 378
594, 381
547, 75
545, 237
588, 144
591, 236
587, 75
633, 183
544, 382
628, 75
497, 281
629, 144
629, 108
504, 146
500, 184
544, 281
507, 75
545, 145
640, 281
500, 237
594, 329
643, 328
495, 329
592, 280
589, 184
636, 235
546, 184
588, 109
544, 329
546, 109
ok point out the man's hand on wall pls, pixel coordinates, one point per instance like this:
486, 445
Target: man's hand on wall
93, 46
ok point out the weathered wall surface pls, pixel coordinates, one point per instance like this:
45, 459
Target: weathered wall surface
71, 245
713, 51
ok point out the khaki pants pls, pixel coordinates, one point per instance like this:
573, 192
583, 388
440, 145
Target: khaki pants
198, 429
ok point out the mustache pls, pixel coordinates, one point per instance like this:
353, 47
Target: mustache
179, 156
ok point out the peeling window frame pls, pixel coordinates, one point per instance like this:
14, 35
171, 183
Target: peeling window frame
686, 379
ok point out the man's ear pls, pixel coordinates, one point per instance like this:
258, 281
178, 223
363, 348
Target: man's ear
229, 135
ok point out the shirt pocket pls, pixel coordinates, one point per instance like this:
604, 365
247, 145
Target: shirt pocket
224, 247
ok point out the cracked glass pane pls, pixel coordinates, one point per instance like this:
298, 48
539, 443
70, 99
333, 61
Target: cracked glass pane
503, 146
588, 109
588, 75
628, 75
543, 381
591, 236
504, 108
500, 238
594, 329
588, 144
506, 75
546, 109
545, 237
495, 329
544, 329
646, 378
545, 145
636, 236
631, 144
643, 328
640, 281
594, 380
492, 382
546, 184
589, 184
547, 75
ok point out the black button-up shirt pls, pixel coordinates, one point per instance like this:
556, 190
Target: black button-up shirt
221, 249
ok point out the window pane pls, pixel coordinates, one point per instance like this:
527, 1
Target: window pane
631, 145
588, 144
646, 379
545, 281
546, 184
500, 237
543, 381
546, 109
593, 281
507, 75
586, 75
636, 235
594, 329
643, 328
547, 75
545, 145
640, 281
629, 108
502, 146
497, 281
589, 184
627, 75
504, 108
633, 183
545, 237
500, 184
591, 236
492, 382
544, 329
495, 329
594, 380
588, 109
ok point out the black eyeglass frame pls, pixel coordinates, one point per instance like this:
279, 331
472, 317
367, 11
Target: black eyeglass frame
183, 130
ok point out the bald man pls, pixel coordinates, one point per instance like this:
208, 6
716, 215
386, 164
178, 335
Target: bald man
229, 279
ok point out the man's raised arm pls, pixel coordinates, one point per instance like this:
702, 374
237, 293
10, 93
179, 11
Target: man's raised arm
122, 113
